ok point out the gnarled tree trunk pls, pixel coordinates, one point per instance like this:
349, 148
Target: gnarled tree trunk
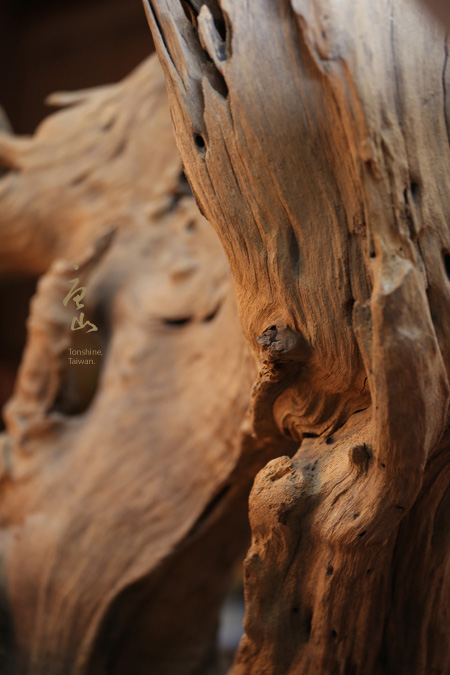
315, 136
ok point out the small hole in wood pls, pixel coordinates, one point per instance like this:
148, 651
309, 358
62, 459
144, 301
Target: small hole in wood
330, 570
361, 534
334, 634
415, 191
199, 141
218, 81
221, 27
181, 321
360, 456
308, 623
329, 440
405, 196
446, 258
349, 307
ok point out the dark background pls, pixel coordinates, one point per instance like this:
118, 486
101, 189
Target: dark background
54, 45
47, 46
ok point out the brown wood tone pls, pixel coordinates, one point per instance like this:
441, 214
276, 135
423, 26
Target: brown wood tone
441, 9
124, 483
315, 136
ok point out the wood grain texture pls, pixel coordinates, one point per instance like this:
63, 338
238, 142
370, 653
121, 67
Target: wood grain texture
60, 175
314, 134
123, 500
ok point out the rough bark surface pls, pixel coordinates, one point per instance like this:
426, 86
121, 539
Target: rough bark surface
124, 484
315, 136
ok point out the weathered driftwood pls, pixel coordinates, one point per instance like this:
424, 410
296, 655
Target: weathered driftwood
124, 487
315, 136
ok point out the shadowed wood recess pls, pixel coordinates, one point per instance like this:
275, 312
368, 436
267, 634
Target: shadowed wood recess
315, 137
124, 482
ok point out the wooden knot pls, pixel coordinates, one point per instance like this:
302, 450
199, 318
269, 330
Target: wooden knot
281, 343
361, 456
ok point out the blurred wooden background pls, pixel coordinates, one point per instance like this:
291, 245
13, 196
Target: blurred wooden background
47, 46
